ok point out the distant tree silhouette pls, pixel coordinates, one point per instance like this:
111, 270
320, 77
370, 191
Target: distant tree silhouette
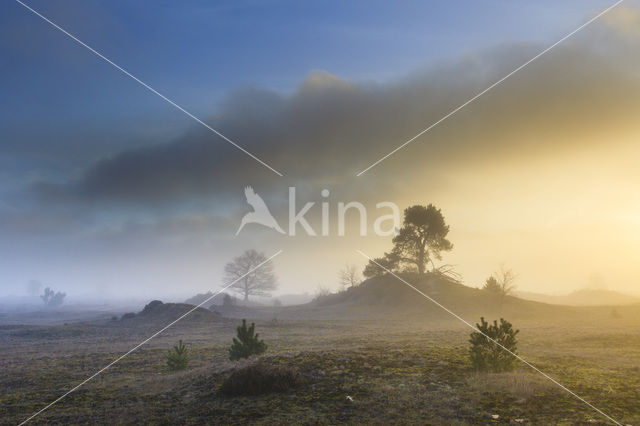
421, 239
51, 298
249, 278
501, 283
491, 285
348, 276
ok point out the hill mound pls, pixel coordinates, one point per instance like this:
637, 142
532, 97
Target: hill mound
388, 290
212, 302
201, 297
167, 312
387, 296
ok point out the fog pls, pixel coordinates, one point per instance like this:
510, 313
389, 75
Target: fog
539, 174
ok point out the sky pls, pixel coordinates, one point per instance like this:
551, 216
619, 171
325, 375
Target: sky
107, 190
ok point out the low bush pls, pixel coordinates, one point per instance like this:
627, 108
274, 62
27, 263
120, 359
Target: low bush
260, 378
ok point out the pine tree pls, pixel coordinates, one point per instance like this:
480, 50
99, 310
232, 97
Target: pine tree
247, 343
178, 359
485, 354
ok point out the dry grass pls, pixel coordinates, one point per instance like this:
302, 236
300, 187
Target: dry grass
522, 385
397, 370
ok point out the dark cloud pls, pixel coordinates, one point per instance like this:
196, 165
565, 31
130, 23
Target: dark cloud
330, 129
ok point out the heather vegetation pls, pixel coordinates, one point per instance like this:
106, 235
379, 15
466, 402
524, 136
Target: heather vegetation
389, 366
260, 378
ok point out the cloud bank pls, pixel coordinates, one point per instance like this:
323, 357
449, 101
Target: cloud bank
181, 195
329, 129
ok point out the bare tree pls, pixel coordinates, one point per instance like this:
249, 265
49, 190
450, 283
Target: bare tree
321, 291
259, 282
349, 276
501, 282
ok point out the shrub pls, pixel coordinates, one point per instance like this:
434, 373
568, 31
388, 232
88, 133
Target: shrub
52, 298
149, 307
247, 343
259, 378
128, 315
488, 356
491, 285
178, 358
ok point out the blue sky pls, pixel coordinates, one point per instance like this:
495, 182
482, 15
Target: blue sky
196, 52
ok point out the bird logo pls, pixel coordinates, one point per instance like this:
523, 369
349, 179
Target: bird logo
260, 213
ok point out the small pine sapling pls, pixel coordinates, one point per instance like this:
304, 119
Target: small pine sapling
485, 354
247, 343
178, 358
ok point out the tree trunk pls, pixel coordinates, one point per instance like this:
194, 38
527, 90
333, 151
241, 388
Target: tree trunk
245, 288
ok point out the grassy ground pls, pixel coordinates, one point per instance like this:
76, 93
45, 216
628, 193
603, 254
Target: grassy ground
403, 371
